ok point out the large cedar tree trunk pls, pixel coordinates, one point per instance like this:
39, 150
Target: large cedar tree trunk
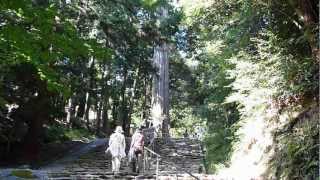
34, 102
35, 113
160, 90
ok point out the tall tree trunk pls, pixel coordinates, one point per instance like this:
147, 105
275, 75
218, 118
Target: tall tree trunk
34, 109
70, 111
123, 110
131, 102
81, 106
115, 106
31, 140
160, 90
105, 117
105, 105
36, 112
99, 112
86, 111
88, 94
145, 99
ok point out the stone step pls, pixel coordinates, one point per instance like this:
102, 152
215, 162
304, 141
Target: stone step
184, 153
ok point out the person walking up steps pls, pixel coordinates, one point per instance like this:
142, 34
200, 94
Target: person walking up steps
117, 147
136, 150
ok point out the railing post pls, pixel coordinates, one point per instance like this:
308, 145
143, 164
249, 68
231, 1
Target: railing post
157, 170
144, 160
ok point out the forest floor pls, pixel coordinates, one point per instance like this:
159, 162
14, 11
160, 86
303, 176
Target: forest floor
49, 153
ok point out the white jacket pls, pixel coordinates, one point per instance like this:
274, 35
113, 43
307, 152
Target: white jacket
117, 145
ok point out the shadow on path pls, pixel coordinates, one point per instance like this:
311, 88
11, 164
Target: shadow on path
74, 154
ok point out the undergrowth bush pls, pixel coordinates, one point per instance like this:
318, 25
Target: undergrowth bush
60, 133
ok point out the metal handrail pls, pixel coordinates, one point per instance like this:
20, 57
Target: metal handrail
152, 152
174, 165
158, 159
158, 156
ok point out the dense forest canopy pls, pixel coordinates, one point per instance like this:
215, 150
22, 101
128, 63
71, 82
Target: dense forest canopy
76, 64
243, 77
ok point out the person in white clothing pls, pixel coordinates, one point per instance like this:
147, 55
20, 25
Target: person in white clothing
117, 147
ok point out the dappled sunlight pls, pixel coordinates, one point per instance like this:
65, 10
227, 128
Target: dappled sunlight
220, 89
215, 48
252, 153
192, 8
156, 114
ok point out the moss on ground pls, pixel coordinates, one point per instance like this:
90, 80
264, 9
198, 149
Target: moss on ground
23, 174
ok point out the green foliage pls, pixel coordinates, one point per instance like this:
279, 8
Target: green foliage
76, 134
58, 133
27, 174
253, 59
41, 37
298, 149
219, 146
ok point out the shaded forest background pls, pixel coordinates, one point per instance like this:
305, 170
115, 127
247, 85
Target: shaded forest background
244, 73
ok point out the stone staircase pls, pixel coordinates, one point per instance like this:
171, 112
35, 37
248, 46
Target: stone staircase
178, 156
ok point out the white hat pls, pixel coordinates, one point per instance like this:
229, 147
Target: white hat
118, 129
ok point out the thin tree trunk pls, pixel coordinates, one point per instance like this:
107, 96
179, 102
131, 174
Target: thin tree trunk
86, 111
123, 110
145, 98
81, 106
105, 117
99, 112
115, 105
70, 111
132, 102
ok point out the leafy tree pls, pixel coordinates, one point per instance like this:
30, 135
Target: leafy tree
259, 55
62, 61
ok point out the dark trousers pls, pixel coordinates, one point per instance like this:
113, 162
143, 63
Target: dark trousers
137, 163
